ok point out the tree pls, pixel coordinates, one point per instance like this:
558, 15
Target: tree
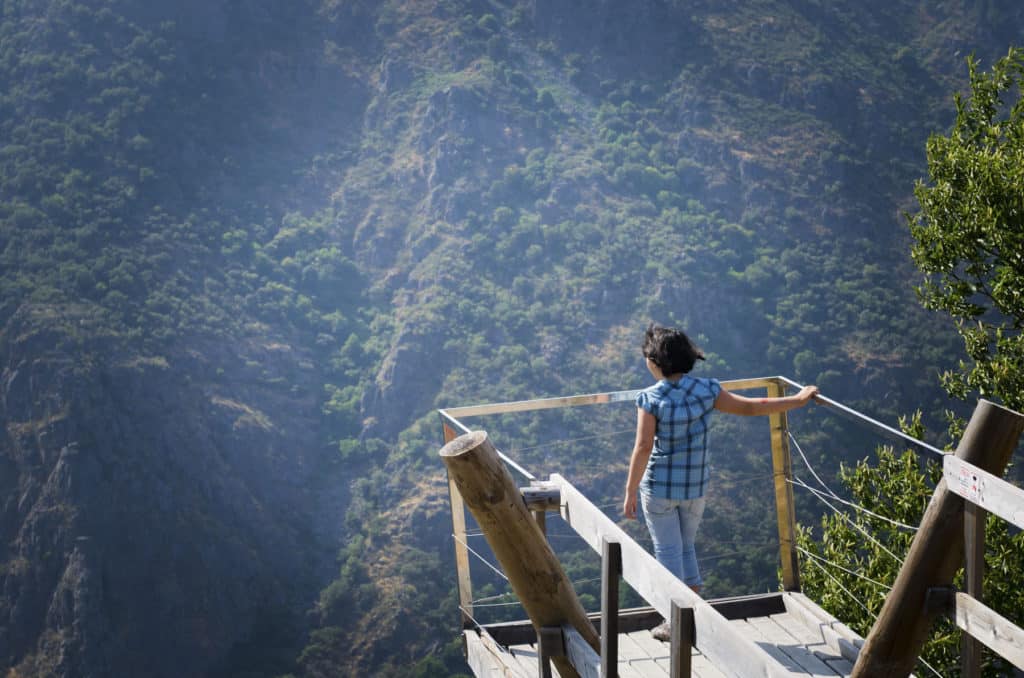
969, 237
970, 232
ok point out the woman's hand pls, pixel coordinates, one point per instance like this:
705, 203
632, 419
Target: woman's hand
629, 505
806, 394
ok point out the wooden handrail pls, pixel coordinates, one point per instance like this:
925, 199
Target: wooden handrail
895, 640
723, 644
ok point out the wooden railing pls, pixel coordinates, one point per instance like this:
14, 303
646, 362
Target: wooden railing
983, 493
451, 420
924, 585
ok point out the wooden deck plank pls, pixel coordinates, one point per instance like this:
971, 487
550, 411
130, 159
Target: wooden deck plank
813, 640
630, 650
700, 667
661, 653
640, 668
754, 635
840, 666
654, 648
526, 657
840, 638
785, 641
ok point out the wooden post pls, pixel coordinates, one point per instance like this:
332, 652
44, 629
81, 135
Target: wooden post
532, 568
611, 571
895, 640
782, 467
461, 548
974, 575
683, 637
550, 648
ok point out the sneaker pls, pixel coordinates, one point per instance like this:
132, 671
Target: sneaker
662, 631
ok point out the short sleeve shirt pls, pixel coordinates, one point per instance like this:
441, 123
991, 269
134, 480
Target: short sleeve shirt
678, 467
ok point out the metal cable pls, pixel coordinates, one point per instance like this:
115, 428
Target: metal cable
513, 604
836, 497
821, 482
845, 590
853, 524
857, 507
482, 559
567, 441
840, 567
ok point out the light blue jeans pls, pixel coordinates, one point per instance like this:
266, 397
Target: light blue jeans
673, 525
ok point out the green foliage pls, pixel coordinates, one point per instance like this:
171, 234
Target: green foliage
849, 574
854, 581
970, 231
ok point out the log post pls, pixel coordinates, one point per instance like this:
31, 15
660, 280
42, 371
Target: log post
532, 568
892, 646
461, 548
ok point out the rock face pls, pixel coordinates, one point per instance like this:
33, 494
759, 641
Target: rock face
153, 519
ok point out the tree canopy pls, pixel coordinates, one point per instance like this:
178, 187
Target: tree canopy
969, 231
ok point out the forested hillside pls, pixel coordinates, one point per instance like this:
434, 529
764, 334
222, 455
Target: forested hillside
247, 248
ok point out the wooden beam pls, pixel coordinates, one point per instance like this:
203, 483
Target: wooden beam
486, 658
523, 633
992, 629
577, 400
541, 495
582, 657
984, 489
542, 404
892, 647
723, 644
532, 568
755, 605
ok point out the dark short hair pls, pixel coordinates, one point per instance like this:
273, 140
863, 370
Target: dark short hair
670, 349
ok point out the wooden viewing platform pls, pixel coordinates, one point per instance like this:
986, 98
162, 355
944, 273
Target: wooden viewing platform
766, 635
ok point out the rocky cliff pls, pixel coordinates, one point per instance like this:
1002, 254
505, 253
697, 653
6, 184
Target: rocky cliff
155, 518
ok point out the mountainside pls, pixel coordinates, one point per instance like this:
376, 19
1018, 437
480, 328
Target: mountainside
246, 249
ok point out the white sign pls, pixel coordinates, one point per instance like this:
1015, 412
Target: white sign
970, 484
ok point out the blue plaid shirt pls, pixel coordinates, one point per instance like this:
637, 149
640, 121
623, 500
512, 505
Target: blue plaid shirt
678, 467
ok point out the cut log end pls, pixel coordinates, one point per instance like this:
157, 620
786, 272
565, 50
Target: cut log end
464, 443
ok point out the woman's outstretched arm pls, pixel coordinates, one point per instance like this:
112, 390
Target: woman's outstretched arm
753, 407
